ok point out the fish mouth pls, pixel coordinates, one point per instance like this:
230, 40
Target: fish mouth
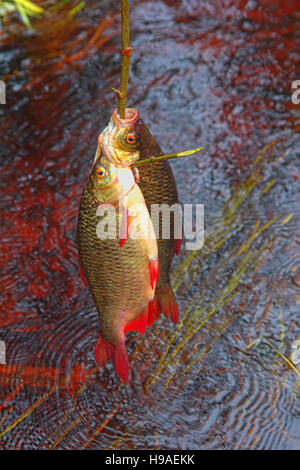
131, 117
111, 149
108, 149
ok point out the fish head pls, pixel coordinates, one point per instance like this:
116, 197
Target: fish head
108, 183
120, 140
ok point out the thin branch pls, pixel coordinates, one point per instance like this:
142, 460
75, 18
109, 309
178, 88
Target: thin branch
126, 53
167, 157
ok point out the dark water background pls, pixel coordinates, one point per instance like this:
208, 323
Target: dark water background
214, 74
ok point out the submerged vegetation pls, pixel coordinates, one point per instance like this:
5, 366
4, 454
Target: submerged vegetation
179, 354
28, 10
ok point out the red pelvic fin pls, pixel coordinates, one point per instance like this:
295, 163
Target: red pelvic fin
104, 351
120, 361
153, 311
154, 270
167, 303
177, 245
82, 276
125, 226
139, 323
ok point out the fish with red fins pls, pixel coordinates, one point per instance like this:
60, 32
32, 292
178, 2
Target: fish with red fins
129, 275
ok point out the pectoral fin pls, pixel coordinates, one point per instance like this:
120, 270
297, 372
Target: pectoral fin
136, 174
177, 245
125, 226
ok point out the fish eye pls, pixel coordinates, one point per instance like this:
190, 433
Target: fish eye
131, 138
100, 172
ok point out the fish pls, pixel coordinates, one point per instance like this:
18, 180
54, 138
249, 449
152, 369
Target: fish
125, 142
120, 267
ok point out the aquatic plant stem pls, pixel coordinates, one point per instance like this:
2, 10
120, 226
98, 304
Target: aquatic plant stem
167, 157
263, 340
126, 53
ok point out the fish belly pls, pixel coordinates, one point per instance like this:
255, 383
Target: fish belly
118, 277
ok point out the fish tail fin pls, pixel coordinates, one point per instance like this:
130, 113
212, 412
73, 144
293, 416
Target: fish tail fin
167, 303
153, 311
120, 361
105, 351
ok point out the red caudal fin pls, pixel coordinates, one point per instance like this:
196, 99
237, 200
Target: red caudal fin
177, 245
153, 311
82, 276
139, 323
104, 351
167, 303
125, 226
120, 361
154, 270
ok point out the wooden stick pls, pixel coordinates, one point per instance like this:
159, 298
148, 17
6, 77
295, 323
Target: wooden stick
167, 157
126, 53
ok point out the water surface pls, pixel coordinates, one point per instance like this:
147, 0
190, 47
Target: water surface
207, 74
